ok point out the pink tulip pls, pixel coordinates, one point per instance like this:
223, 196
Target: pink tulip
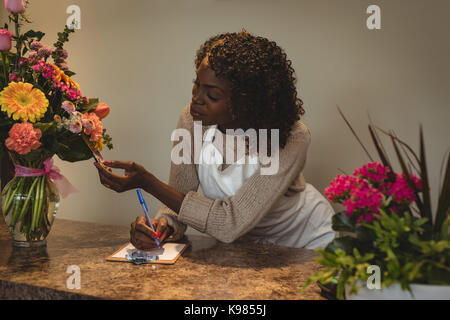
5, 40
15, 6
102, 110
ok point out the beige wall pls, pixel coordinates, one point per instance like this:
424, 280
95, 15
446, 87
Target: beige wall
3, 16
138, 57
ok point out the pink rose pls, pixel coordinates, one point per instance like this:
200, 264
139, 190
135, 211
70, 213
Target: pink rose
15, 6
5, 40
102, 110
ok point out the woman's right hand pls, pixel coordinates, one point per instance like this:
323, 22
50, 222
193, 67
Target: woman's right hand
142, 236
135, 175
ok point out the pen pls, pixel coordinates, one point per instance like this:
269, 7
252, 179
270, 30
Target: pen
144, 207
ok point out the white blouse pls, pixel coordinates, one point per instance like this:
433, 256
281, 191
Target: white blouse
302, 220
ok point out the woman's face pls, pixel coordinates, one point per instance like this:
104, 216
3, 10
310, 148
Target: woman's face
211, 99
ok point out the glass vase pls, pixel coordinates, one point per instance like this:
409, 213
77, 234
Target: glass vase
29, 206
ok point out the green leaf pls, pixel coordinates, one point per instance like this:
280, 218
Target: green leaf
346, 244
415, 270
340, 289
419, 222
424, 207
69, 73
45, 126
381, 153
354, 133
364, 234
388, 223
93, 103
6, 122
424, 177
343, 223
445, 228
74, 150
443, 209
34, 34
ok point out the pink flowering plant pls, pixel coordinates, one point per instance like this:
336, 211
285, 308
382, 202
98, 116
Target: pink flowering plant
43, 113
388, 222
373, 188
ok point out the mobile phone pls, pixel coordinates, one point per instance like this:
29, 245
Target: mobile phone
97, 155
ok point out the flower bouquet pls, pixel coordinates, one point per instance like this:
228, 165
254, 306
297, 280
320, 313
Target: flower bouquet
43, 114
388, 226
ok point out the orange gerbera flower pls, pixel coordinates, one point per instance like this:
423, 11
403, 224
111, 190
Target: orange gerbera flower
61, 76
23, 102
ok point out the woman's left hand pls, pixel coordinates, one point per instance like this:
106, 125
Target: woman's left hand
134, 177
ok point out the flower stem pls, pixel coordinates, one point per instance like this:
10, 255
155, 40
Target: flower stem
5, 68
25, 206
8, 201
42, 198
18, 41
17, 192
37, 201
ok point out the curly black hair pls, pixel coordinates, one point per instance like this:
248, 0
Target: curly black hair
262, 80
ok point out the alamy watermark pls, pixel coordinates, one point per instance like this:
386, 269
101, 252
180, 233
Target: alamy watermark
373, 22
74, 280
181, 152
374, 281
74, 20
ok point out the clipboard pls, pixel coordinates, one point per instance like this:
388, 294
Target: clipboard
168, 254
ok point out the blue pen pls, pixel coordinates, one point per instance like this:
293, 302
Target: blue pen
144, 207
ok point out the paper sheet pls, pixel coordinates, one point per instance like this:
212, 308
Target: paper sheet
168, 251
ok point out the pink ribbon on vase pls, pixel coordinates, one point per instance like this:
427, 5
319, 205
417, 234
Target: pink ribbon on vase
52, 172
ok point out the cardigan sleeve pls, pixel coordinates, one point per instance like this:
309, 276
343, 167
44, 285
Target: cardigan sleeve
182, 177
228, 219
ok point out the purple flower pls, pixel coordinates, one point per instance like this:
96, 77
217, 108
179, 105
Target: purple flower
63, 66
36, 45
32, 55
45, 52
63, 54
68, 106
75, 126
59, 60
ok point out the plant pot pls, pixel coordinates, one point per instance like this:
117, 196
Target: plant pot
395, 292
29, 206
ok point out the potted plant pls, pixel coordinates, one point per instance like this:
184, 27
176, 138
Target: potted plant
392, 247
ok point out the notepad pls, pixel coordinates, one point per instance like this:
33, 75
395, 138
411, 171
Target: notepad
167, 254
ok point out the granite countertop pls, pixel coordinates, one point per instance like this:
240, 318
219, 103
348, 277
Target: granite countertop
208, 269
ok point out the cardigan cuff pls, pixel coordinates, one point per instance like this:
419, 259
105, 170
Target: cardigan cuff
178, 230
194, 210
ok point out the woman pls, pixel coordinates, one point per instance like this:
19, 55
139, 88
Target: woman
243, 81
